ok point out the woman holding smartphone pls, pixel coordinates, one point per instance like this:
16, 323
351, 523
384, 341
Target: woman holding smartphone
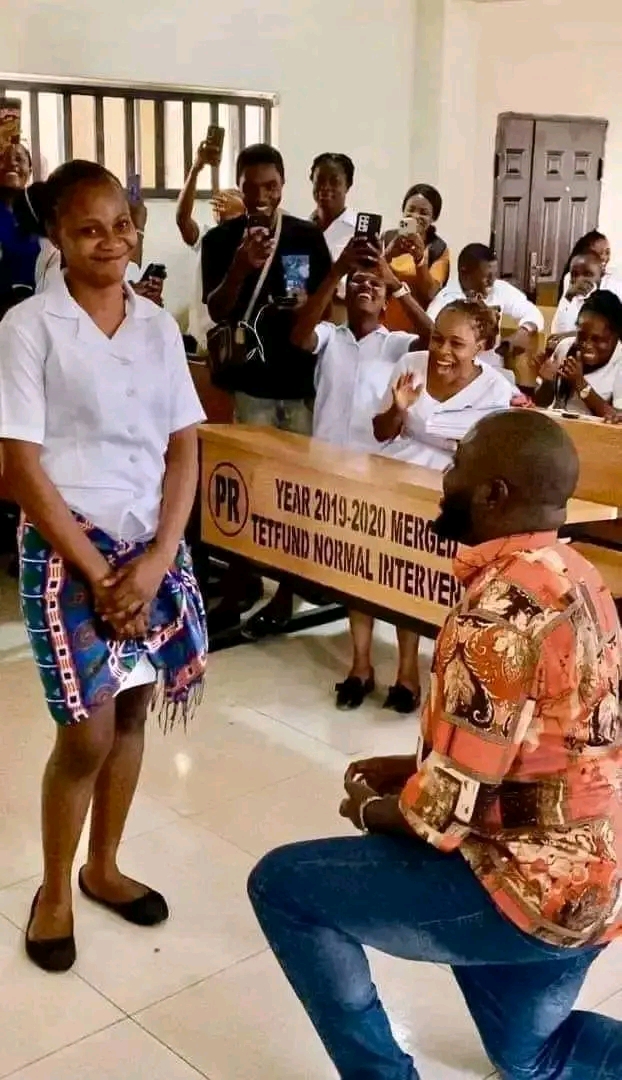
417, 255
584, 374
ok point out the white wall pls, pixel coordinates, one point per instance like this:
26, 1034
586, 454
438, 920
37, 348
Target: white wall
547, 57
343, 70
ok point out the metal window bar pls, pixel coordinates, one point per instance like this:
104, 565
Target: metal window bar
159, 95
35, 146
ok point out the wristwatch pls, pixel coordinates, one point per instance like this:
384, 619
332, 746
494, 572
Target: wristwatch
403, 290
585, 391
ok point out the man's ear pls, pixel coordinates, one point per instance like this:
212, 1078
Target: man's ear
491, 494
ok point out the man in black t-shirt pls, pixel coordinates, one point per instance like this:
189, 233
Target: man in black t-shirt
278, 389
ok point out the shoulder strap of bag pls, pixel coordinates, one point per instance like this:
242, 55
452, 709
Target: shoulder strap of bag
265, 270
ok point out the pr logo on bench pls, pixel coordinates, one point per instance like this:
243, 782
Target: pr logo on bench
228, 498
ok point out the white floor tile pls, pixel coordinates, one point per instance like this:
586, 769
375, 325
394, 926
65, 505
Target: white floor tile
121, 1052
40, 1013
246, 1022
301, 808
211, 924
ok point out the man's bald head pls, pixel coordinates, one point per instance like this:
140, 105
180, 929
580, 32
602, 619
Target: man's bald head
514, 472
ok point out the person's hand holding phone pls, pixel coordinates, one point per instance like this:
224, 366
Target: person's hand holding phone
257, 246
572, 370
359, 251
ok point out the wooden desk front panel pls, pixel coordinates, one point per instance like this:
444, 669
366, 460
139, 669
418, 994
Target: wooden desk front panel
357, 523
350, 522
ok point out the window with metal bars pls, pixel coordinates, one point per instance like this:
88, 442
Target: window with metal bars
148, 130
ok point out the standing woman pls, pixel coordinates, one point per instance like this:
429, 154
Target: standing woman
417, 255
98, 420
18, 249
332, 176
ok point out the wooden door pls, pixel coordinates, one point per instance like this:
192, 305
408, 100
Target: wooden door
547, 194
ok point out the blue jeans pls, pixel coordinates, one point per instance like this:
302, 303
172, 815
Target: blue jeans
320, 902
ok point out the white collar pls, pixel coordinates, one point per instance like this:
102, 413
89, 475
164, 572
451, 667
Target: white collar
380, 329
59, 301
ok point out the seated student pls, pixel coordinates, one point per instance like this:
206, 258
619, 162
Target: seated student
584, 374
98, 419
477, 280
19, 249
584, 278
275, 387
418, 256
354, 363
595, 243
496, 849
226, 205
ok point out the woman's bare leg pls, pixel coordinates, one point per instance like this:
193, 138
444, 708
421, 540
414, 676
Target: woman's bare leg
68, 784
408, 669
114, 791
362, 631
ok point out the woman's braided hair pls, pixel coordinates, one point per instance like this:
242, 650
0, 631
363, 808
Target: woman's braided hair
484, 319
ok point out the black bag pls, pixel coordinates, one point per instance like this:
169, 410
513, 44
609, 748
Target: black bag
230, 346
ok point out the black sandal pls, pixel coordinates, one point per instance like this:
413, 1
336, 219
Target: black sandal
402, 700
50, 954
352, 692
147, 910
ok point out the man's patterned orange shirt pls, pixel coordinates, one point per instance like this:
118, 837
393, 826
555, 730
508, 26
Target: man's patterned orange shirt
521, 759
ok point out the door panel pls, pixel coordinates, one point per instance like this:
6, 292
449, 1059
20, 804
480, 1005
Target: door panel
513, 185
565, 194
547, 194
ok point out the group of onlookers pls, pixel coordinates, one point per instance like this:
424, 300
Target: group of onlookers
363, 339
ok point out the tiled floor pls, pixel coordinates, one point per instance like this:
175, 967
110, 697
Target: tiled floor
202, 996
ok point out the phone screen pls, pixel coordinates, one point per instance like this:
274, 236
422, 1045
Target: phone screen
133, 188
295, 274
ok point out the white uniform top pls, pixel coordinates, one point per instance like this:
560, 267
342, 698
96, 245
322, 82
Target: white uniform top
434, 428
567, 314
351, 378
606, 381
512, 302
103, 409
339, 232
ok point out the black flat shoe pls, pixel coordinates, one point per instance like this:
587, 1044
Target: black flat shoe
147, 910
51, 954
352, 691
402, 700
262, 625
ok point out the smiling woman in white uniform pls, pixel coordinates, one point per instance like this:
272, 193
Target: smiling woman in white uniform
432, 399
98, 420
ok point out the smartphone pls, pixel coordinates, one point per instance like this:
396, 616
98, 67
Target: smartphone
155, 270
259, 221
10, 122
296, 270
133, 188
410, 226
368, 227
216, 138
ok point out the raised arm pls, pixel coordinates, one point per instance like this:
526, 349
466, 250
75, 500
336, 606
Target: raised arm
206, 154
